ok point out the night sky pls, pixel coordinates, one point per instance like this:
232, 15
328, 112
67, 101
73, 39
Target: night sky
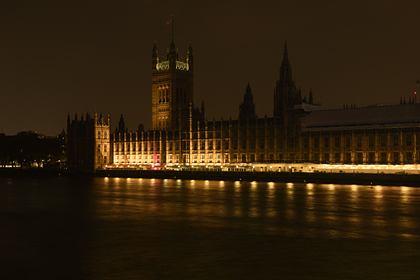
77, 56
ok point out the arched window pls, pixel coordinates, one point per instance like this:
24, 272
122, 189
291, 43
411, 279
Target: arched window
159, 94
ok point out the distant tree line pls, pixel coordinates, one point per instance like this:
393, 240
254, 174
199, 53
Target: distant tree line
31, 150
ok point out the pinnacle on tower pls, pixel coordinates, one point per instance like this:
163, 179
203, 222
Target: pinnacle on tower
155, 56
248, 89
172, 53
311, 98
154, 49
121, 124
298, 98
190, 59
285, 68
285, 55
247, 108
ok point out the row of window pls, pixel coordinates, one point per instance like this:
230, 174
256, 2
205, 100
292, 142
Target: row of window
102, 160
164, 123
105, 148
180, 96
347, 158
133, 147
100, 134
134, 159
252, 143
360, 158
359, 140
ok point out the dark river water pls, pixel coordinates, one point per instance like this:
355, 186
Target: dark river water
100, 228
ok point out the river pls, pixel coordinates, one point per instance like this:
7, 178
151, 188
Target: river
122, 228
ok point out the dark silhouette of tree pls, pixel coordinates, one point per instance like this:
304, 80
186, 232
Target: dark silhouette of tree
29, 150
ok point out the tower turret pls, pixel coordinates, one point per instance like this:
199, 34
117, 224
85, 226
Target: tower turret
298, 99
202, 109
247, 108
172, 54
190, 58
121, 125
285, 94
88, 143
155, 56
311, 97
285, 68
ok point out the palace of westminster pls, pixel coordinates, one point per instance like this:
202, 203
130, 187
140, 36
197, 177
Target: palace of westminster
298, 132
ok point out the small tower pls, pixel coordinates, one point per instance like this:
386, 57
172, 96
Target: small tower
155, 57
88, 143
202, 111
190, 58
102, 136
247, 108
285, 68
285, 93
311, 97
121, 125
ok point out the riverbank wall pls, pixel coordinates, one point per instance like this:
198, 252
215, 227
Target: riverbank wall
412, 180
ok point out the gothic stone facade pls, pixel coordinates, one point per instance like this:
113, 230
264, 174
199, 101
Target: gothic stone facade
298, 131
88, 143
233, 142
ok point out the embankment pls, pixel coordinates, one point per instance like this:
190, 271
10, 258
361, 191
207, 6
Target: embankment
297, 177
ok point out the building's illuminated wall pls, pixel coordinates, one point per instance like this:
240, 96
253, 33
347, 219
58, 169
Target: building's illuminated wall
182, 136
172, 90
138, 149
232, 142
379, 146
102, 147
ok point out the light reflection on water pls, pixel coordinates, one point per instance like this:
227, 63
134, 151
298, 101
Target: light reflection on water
331, 210
201, 223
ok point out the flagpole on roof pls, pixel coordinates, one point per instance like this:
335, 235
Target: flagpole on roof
172, 27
